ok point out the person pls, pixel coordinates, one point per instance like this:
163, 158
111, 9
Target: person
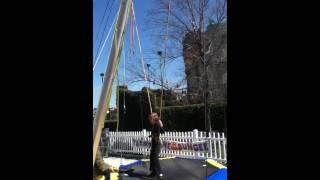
103, 142
157, 129
102, 147
101, 169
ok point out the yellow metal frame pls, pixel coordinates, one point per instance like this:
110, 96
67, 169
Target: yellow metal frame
100, 178
147, 160
216, 164
114, 176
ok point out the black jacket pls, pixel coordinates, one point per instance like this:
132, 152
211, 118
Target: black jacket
155, 133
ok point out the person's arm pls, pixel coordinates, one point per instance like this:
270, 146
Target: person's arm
161, 130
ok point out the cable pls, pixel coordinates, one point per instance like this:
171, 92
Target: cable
97, 59
104, 14
104, 29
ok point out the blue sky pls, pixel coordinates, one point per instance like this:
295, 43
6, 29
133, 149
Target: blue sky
147, 43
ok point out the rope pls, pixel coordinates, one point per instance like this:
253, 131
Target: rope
124, 92
142, 60
162, 67
161, 96
118, 99
132, 35
124, 79
122, 47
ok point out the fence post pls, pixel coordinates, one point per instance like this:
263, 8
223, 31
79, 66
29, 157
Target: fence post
144, 134
111, 143
215, 145
166, 134
195, 139
210, 145
219, 146
106, 142
224, 147
202, 134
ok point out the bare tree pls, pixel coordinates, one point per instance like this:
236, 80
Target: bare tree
186, 17
185, 32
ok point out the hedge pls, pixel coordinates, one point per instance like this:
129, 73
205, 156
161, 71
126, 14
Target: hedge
179, 118
189, 117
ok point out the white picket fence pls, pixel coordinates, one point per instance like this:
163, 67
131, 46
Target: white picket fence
123, 142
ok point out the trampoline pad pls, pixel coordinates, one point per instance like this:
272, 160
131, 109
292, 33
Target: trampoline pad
174, 169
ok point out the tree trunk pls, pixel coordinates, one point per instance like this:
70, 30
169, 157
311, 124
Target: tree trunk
206, 95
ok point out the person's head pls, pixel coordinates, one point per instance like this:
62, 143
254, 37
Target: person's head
153, 118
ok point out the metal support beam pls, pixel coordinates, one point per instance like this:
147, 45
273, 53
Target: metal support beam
109, 73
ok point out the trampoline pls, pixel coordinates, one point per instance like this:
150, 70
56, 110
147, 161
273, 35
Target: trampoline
175, 169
